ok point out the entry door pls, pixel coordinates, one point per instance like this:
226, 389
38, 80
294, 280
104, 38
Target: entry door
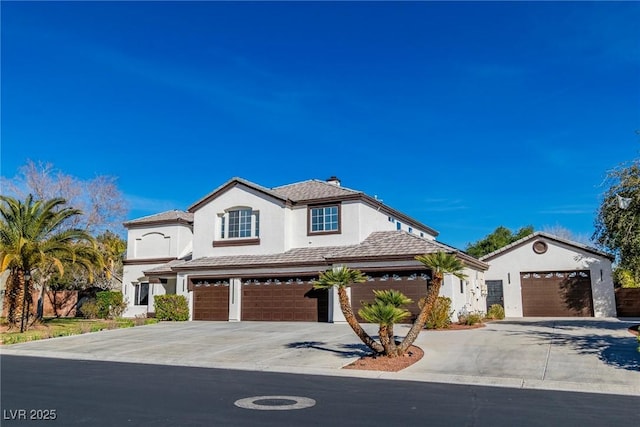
494, 293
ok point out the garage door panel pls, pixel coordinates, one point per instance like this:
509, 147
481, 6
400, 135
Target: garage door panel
557, 294
284, 302
211, 303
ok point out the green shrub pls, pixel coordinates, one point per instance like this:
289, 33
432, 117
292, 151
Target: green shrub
90, 310
470, 318
111, 304
171, 307
440, 316
496, 312
625, 278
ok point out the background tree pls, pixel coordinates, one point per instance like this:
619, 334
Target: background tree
617, 224
103, 211
33, 241
499, 238
100, 200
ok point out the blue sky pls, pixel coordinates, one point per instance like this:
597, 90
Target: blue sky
466, 116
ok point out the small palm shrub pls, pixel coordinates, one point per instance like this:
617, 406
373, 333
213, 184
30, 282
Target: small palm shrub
496, 312
171, 307
440, 316
386, 310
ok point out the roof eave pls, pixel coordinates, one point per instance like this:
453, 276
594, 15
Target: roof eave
520, 242
176, 221
230, 184
249, 266
399, 215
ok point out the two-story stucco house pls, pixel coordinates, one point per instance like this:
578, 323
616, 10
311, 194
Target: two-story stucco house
246, 252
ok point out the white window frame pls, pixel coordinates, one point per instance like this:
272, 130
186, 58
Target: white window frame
248, 224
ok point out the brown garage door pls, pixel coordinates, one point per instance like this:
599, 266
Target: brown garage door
284, 301
413, 285
211, 302
556, 293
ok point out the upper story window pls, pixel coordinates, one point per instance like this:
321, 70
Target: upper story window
241, 224
324, 219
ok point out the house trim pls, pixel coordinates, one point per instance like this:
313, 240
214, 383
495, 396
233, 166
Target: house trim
233, 182
540, 234
235, 242
144, 261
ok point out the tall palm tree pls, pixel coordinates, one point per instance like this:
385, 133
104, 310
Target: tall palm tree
341, 278
440, 263
386, 310
32, 240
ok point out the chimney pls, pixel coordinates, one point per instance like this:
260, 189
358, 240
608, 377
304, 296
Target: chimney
334, 181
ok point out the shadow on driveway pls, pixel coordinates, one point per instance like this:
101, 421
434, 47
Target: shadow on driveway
619, 350
350, 350
568, 324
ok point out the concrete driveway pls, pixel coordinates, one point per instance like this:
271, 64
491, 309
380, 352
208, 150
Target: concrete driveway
562, 354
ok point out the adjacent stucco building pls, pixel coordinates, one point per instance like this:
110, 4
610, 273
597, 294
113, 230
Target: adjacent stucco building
544, 275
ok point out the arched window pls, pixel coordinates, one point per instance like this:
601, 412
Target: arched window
239, 223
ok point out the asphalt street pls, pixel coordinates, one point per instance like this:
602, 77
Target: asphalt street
93, 393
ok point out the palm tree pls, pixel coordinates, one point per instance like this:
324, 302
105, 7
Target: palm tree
386, 310
341, 278
112, 248
440, 263
32, 240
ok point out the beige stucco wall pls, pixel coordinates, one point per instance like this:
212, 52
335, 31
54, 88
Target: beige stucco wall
158, 241
206, 223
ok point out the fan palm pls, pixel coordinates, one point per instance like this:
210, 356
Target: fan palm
440, 263
386, 310
341, 278
32, 239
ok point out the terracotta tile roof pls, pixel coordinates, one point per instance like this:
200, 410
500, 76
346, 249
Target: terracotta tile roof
392, 243
313, 189
164, 217
317, 190
316, 255
164, 268
587, 248
378, 246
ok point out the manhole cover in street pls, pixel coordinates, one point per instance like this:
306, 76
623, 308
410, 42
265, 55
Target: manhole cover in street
275, 403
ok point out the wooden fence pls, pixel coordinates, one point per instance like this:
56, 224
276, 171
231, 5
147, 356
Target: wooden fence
56, 303
628, 302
